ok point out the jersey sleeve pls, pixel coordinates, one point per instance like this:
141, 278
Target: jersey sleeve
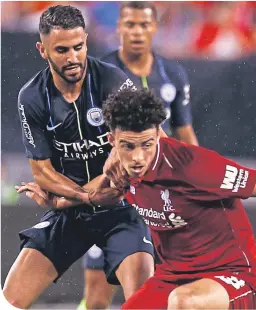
117, 81
181, 106
211, 176
33, 124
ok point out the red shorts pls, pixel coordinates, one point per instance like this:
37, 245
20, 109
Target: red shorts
155, 292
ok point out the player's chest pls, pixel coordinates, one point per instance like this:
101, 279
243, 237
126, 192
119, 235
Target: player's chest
163, 208
164, 86
82, 116
77, 129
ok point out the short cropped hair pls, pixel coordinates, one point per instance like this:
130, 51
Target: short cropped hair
139, 5
60, 16
131, 110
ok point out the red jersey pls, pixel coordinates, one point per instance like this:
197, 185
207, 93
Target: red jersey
190, 198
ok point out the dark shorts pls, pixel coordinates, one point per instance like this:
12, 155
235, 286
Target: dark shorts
64, 236
94, 259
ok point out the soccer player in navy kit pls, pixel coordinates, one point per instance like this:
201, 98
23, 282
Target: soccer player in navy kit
137, 25
66, 143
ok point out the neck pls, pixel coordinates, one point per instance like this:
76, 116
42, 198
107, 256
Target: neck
140, 65
68, 90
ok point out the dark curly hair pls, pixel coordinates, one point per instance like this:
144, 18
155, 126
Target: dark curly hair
60, 16
133, 110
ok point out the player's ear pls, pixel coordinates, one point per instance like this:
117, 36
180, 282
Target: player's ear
41, 49
118, 26
154, 29
111, 139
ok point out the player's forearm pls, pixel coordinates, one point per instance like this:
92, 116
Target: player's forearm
54, 182
101, 179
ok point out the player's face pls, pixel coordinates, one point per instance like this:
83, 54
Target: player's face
66, 51
136, 28
136, 150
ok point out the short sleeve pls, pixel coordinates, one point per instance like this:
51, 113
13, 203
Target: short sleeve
211, 173
117, 81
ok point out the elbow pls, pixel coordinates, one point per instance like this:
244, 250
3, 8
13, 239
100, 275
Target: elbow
40, 176
39, 179
43, 173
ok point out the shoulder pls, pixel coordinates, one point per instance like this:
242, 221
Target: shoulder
184, 153
180, 152
34, 89
103, 68
173, 69
171, 65
111, 58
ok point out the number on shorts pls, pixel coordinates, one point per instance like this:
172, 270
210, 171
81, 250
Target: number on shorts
237, 284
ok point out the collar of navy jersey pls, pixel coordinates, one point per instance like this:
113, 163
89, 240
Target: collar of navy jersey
158, 64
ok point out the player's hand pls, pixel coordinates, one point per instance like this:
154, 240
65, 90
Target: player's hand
100, 192
115, 172
34, 192
105, 196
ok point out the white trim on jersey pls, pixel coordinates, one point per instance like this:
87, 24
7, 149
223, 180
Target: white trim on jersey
239, 246
241, 296
167, 161
157, 157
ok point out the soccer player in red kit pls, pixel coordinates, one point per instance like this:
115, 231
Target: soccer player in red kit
190, 198
191, 202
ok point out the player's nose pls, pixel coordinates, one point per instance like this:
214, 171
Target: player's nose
137, 30
72, 57
137, 155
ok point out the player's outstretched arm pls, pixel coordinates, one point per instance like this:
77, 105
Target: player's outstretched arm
52, 181
98, 191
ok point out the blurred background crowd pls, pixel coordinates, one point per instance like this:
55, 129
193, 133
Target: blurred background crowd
209, 29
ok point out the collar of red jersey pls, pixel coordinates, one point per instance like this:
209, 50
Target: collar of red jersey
151, 173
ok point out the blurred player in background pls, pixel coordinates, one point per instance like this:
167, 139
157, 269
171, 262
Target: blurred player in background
136, 27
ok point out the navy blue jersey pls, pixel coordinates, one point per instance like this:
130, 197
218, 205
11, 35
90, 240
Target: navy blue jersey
170, 82
72, 135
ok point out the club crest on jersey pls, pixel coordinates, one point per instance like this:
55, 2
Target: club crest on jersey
132, 189
167, 202
168, 92
95, 117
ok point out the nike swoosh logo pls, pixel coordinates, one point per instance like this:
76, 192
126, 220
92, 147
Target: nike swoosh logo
147, 241
52, 128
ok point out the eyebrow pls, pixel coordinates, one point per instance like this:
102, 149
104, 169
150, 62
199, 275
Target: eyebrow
143, 142
81, 43
67, 47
